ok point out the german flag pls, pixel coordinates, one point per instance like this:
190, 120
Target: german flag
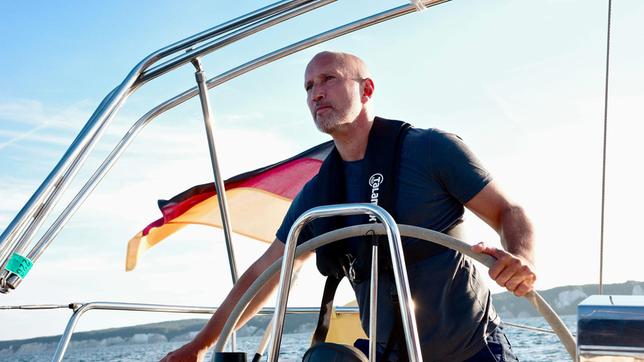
257, 202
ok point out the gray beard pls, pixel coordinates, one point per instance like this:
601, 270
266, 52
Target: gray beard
329, 123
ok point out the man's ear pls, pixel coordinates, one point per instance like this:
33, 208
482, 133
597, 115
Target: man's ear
367, 89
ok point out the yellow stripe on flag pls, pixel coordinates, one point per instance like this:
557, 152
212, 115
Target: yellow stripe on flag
253, 213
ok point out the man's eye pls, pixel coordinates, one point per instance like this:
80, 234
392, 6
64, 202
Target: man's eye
308, 87
328, 78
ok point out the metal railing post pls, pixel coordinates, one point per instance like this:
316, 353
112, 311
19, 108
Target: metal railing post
373, 306
219, 183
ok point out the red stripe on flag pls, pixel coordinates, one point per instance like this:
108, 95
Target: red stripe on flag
285, 180
156, 224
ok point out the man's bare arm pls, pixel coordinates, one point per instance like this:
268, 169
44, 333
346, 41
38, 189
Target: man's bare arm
196, 349
514, 268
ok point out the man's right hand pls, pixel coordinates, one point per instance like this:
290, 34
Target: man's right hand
187, 353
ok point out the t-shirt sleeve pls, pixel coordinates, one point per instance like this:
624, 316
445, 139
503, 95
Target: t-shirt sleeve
456, 167
299, 205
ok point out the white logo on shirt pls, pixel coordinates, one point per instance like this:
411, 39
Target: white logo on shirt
375, 181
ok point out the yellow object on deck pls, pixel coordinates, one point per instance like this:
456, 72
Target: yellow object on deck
345, 328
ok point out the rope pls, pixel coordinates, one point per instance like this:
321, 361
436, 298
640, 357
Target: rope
533, 297
601, 238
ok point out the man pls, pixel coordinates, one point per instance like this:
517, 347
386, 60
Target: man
436, 176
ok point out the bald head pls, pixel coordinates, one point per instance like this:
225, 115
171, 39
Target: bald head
347, 64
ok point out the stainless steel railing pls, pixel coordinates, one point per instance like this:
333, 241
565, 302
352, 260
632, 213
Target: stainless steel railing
69, 330
81, 308
286, 262
200, 77
16, 237
31, 215
397, 262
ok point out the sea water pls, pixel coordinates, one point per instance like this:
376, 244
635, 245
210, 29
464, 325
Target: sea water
528, 345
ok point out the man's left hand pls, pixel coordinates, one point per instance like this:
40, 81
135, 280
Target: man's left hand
512, 272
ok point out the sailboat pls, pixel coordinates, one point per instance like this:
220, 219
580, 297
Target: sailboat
19, 251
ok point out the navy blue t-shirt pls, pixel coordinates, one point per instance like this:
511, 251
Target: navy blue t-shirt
438, 175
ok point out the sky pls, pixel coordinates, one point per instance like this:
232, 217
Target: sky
521, 82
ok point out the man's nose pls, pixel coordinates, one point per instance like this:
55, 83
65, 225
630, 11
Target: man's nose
317, 94
317, 97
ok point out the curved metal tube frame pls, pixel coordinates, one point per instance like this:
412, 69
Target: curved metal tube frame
74, 157
17, 235
36, 207
397, 261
